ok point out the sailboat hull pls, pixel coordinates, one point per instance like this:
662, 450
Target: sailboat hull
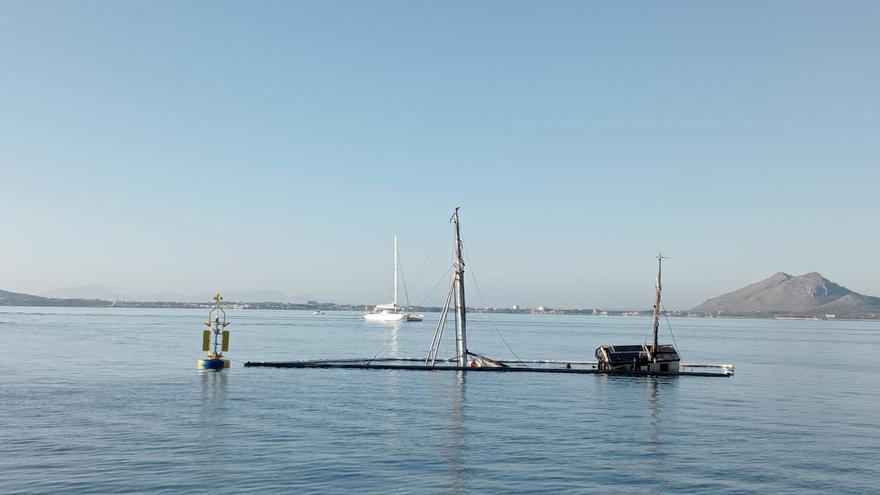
386, 317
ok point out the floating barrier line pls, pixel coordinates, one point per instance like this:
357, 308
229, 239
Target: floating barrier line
401, 364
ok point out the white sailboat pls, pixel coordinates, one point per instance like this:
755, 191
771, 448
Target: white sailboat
392, 311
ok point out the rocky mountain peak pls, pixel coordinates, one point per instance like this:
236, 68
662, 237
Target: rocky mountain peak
807, 294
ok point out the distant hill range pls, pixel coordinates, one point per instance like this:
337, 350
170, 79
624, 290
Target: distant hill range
105, 293
787, 295
8, 298
18, 299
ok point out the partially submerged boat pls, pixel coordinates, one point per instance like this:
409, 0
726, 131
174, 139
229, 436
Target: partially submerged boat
654, 358
392, 312
642, 360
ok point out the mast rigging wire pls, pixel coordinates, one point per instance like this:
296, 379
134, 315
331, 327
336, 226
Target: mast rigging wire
433, 248
435, 286
491, 319
666, 315
402, 278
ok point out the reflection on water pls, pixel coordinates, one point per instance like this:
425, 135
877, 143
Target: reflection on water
779, 426
214, 388
394, 341
450, 400
655, 409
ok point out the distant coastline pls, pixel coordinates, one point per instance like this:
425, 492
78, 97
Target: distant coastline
9, 299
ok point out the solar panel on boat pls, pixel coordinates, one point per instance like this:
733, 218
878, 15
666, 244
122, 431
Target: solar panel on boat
626, 348
624, 357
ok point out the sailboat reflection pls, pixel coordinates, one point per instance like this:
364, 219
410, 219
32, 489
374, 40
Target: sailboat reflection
394, 341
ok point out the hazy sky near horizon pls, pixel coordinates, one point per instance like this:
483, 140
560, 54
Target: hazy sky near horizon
192, 146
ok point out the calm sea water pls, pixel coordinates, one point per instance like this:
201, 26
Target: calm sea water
108, 401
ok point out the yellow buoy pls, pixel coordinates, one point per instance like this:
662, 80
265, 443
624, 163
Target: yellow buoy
215, 340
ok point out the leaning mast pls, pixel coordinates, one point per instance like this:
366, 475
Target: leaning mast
460, 308
656, 323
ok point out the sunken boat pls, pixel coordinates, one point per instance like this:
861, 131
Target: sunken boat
646, 358
641, 360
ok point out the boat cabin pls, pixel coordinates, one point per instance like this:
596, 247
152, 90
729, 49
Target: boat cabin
642, 358
638, 358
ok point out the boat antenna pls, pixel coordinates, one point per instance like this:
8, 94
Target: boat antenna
460, 307
656, 323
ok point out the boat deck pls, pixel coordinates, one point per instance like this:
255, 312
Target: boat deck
537, 366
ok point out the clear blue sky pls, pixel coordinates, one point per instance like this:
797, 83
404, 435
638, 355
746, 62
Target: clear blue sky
189, 146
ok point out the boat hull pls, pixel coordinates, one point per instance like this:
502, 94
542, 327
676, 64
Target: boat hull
385, 317
638, 358
661, 367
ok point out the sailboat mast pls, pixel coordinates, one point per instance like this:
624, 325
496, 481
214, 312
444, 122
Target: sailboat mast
656, 322
395, 270
461, 323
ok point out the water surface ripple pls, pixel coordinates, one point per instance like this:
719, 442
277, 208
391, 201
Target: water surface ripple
108, 401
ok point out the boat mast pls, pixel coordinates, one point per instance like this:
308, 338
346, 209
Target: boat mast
656, 322
395, 270
460, 322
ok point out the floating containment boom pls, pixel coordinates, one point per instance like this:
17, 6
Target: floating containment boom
215, 340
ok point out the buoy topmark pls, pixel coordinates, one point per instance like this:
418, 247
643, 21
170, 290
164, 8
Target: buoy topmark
215, 340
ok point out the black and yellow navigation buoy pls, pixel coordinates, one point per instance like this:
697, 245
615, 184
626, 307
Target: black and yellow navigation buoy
215, 340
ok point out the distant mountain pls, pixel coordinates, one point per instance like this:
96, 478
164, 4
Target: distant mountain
107, 294
252, 296
18, 299
84, 292
810, 294
8, 298
231, 296
164, 296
